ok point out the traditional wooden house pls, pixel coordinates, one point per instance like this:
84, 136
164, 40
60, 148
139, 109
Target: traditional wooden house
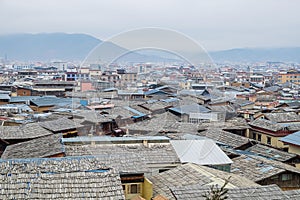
266, 172
241, 104
46, 103
63, 125
228, 139
275, 154
282, 117
42, 88
99, 123
22, 133
130, 157
270, 133
268, 101
131, 95
23, 91
293, 141
59, 178
156, 107
157, 94
126, 157
192, 174
121, 115
43, 147
199, 192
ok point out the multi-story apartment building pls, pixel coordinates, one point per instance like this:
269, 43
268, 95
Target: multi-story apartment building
292, 76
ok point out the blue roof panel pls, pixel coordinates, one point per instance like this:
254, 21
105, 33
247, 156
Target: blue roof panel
293, 138
135, 111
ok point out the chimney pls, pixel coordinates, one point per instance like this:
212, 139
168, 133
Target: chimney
91, 139
145, 143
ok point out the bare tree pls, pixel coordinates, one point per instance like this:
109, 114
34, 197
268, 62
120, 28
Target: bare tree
217, 193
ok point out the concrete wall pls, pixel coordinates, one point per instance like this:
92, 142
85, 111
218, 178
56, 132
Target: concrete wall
294, 149
147, 189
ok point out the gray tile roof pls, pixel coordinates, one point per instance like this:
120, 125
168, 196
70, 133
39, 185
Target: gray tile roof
36, 148
157, 105
120, 155
270, 152
241, 102
258, 168
266, 124
27, 131
190, 174
196, 192
90, 115
272, 89
282, 117
292, 194
192, 108
236, 123
63, 178
265, 98
165, 122
225, 137
119, 112
294, 104
140, 109
58, 125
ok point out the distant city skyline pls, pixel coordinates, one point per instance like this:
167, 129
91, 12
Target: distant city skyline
215, 24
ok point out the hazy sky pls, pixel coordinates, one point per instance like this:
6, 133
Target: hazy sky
215, 24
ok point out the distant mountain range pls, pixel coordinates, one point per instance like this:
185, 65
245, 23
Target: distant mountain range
291, 54
46, 46
62, 46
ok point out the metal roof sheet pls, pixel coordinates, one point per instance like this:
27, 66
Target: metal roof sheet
22, 98
135, 111
155, 91
113, 139
203, 152
4, 96
170, 100
293, 138
53, 101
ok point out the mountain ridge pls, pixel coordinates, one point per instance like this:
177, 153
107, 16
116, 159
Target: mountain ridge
76, 46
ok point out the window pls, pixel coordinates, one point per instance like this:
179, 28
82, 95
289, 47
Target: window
162, 170
268, 140
254, 136
134, 189
286, 177
259, 137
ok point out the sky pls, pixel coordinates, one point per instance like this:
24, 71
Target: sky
215, 24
